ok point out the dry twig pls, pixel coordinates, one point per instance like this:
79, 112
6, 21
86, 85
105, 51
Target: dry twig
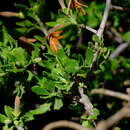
62, 4
101, 29
64, 123
111, 93
86, 102
118, 50
115, 7
122, 113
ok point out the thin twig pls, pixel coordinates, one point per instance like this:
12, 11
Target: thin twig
62, 4
86, 102
118, 50
101, 29
111, 93
68, 8
91, 29
42, 27
104, 19
122, 113
66, 124
115, 7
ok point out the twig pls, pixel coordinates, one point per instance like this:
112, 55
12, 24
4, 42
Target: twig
66, 124
42, 27
115, 7
111, 93
86, 102
122, 113
104, 19
118, 50
62, 4
68, 8
101, 29
91, 29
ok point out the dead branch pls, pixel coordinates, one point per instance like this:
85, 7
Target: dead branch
101, 29
65, 124
62, 4
42, 27
115, 7
118, 50
122, 113
86, 102
68, 8
111, 93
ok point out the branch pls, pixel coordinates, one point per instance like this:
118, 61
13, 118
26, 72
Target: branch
62, 4
122, 113
68, 8
111, 93
66, 124
42, 27
101, 29
118, 50
104, 19
115, 7
86, 102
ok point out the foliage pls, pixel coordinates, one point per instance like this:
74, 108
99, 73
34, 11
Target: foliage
45, 70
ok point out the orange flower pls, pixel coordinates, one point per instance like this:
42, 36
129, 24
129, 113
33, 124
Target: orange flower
78, 6
53, 37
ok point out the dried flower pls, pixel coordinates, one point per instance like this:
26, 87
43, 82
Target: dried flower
78, 6
53, 37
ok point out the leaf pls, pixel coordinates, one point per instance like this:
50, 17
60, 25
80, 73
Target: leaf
39, 90
3, 118
58, 104
42, 109
89, 56
51, 24
28, 116
8, 111
87, 124
126, 36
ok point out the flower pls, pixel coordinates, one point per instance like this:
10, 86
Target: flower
53, 37
78, 6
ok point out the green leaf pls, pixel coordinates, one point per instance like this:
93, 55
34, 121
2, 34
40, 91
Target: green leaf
39, 90
3, 118
89, 57
126, 36
58, 104
28, 116
42, 109
8, 111
87, 124
51, 24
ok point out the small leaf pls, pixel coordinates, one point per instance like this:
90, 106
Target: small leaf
8, 111
58, 104
89, 56
39, 90
42, 109
28, 116
3, 118
126, 36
